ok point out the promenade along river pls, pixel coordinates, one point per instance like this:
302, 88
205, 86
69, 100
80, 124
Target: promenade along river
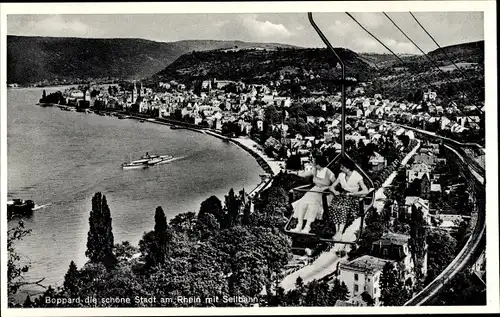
62, 158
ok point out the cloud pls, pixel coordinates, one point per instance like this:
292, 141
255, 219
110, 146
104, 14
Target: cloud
365, 44
56, 26
401, 47
267, 29
340, 28
370, 19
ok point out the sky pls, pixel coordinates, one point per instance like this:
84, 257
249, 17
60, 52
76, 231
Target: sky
447, 28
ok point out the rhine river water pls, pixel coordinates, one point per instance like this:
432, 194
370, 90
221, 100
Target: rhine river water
62, 158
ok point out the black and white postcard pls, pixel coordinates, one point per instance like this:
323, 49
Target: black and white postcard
253, 157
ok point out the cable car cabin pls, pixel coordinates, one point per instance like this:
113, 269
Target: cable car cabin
327, 221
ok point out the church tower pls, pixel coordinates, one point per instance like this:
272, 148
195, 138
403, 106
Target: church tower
134, 93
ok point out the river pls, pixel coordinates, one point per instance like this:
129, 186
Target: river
62, 158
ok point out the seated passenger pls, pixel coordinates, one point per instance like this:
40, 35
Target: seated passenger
353, 186
310, 206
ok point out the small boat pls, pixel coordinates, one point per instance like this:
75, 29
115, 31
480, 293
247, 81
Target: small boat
141, 120
19, 208
176, 127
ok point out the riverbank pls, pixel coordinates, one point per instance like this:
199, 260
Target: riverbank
271, 166
63, 158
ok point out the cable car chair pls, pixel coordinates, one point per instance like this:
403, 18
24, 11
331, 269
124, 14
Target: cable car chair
365, 203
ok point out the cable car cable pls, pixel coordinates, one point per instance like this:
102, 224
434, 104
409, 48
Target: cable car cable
444, 52
427, 56
404, 63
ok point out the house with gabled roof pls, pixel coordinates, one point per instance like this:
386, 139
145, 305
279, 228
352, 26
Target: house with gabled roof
363, 275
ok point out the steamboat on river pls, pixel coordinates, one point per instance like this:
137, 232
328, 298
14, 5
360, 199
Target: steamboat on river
148, 160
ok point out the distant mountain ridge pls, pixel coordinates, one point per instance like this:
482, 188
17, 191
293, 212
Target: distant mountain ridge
35, 59
471, 52
466, 52
264, 65
32, 59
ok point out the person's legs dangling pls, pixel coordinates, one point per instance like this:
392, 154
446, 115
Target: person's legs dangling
299, 214
338, 234
310, 217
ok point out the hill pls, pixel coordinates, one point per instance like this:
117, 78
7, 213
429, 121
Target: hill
397, 80
264, 65
33, 59
472, 52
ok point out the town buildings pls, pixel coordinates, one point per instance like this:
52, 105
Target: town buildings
363, 275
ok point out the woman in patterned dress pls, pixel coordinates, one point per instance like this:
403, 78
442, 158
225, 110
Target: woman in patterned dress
310, 206
344, 206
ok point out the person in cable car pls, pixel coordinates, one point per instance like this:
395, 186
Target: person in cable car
310, 206
346, 201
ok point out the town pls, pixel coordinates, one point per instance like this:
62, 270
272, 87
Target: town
290, 130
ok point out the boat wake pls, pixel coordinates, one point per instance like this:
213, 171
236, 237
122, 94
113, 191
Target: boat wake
41, 206
176, 158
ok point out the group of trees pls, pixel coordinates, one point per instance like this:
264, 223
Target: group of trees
316, 293
394, 289
53, 98
221, 250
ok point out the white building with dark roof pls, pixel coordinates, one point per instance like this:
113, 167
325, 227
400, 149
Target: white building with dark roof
363, 275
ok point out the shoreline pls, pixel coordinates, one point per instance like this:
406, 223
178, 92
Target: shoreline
269, 165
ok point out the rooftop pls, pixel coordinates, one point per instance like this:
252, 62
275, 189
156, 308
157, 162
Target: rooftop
343, 303
393, 238
366, 263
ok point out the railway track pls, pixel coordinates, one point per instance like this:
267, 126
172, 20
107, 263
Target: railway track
474, 173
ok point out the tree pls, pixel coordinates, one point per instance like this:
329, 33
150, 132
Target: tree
183, 223
28, 303
15, 268
418, 238
154, 244
50, 292
212, 205
71, 281
462, 234
464, 289
161, 234
100, 239
206, 225
232, 206
371, 233
124, 251
441, 251
367, 299
393, 291
340, 290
